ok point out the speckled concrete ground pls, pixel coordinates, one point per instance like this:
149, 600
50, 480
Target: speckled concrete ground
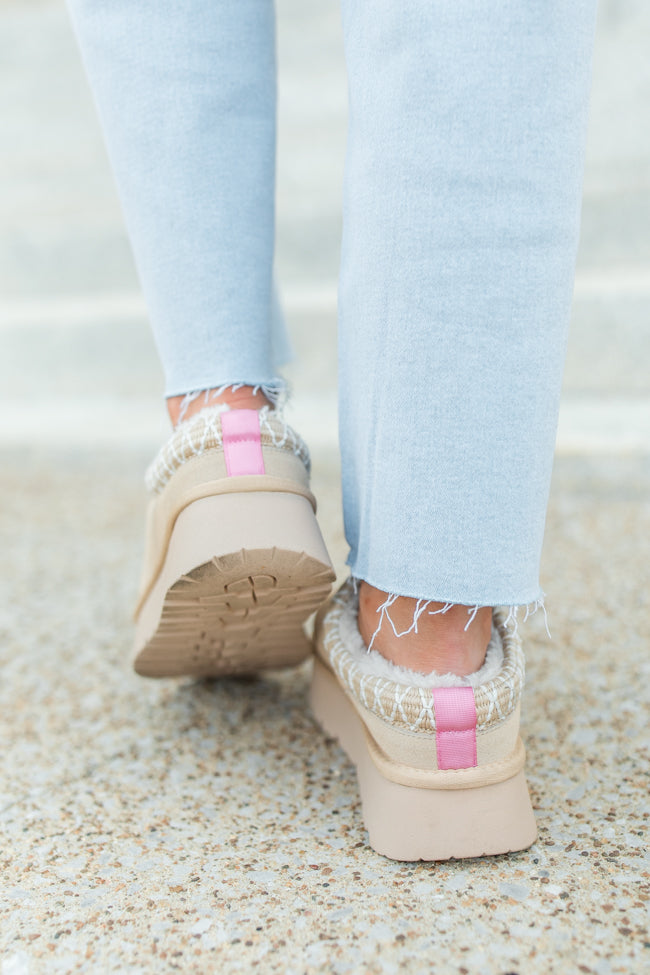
159, 826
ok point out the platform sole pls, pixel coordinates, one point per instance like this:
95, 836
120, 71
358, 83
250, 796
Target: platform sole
241, 575
433, 823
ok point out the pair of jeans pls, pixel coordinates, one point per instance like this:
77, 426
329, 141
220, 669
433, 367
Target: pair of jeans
461, 209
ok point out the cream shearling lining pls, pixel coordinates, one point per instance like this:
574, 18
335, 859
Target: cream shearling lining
374, 665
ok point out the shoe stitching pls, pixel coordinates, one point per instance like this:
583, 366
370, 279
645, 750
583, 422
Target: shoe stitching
203, 432
410, 706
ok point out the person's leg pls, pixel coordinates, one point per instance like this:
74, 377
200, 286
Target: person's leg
461, 216
186, 95
234, 560
462, 199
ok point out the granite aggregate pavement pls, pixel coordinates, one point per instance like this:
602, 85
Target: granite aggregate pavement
209, 826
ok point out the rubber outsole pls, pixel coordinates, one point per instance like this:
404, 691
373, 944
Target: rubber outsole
217, 610
409, 823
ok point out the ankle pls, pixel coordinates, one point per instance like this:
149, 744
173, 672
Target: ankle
443, 641
237, 397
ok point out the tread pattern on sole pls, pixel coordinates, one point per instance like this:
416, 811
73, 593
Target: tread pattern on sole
236, 614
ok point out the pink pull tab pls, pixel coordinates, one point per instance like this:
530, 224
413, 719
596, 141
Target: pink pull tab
455, 711
242, 445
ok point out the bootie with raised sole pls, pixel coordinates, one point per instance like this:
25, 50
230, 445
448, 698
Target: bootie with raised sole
234, 559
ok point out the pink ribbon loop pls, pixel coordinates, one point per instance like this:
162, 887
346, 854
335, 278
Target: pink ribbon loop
242, 444
455, 712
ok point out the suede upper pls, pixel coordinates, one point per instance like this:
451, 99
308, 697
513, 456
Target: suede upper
408, 706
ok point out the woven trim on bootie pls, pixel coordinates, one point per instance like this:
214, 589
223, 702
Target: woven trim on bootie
202, 432
410, 704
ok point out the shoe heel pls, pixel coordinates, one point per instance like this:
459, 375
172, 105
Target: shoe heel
241, 574
412, 823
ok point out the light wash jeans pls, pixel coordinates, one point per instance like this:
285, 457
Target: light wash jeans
461, 218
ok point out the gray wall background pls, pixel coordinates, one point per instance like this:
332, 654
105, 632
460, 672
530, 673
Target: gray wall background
72, 324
